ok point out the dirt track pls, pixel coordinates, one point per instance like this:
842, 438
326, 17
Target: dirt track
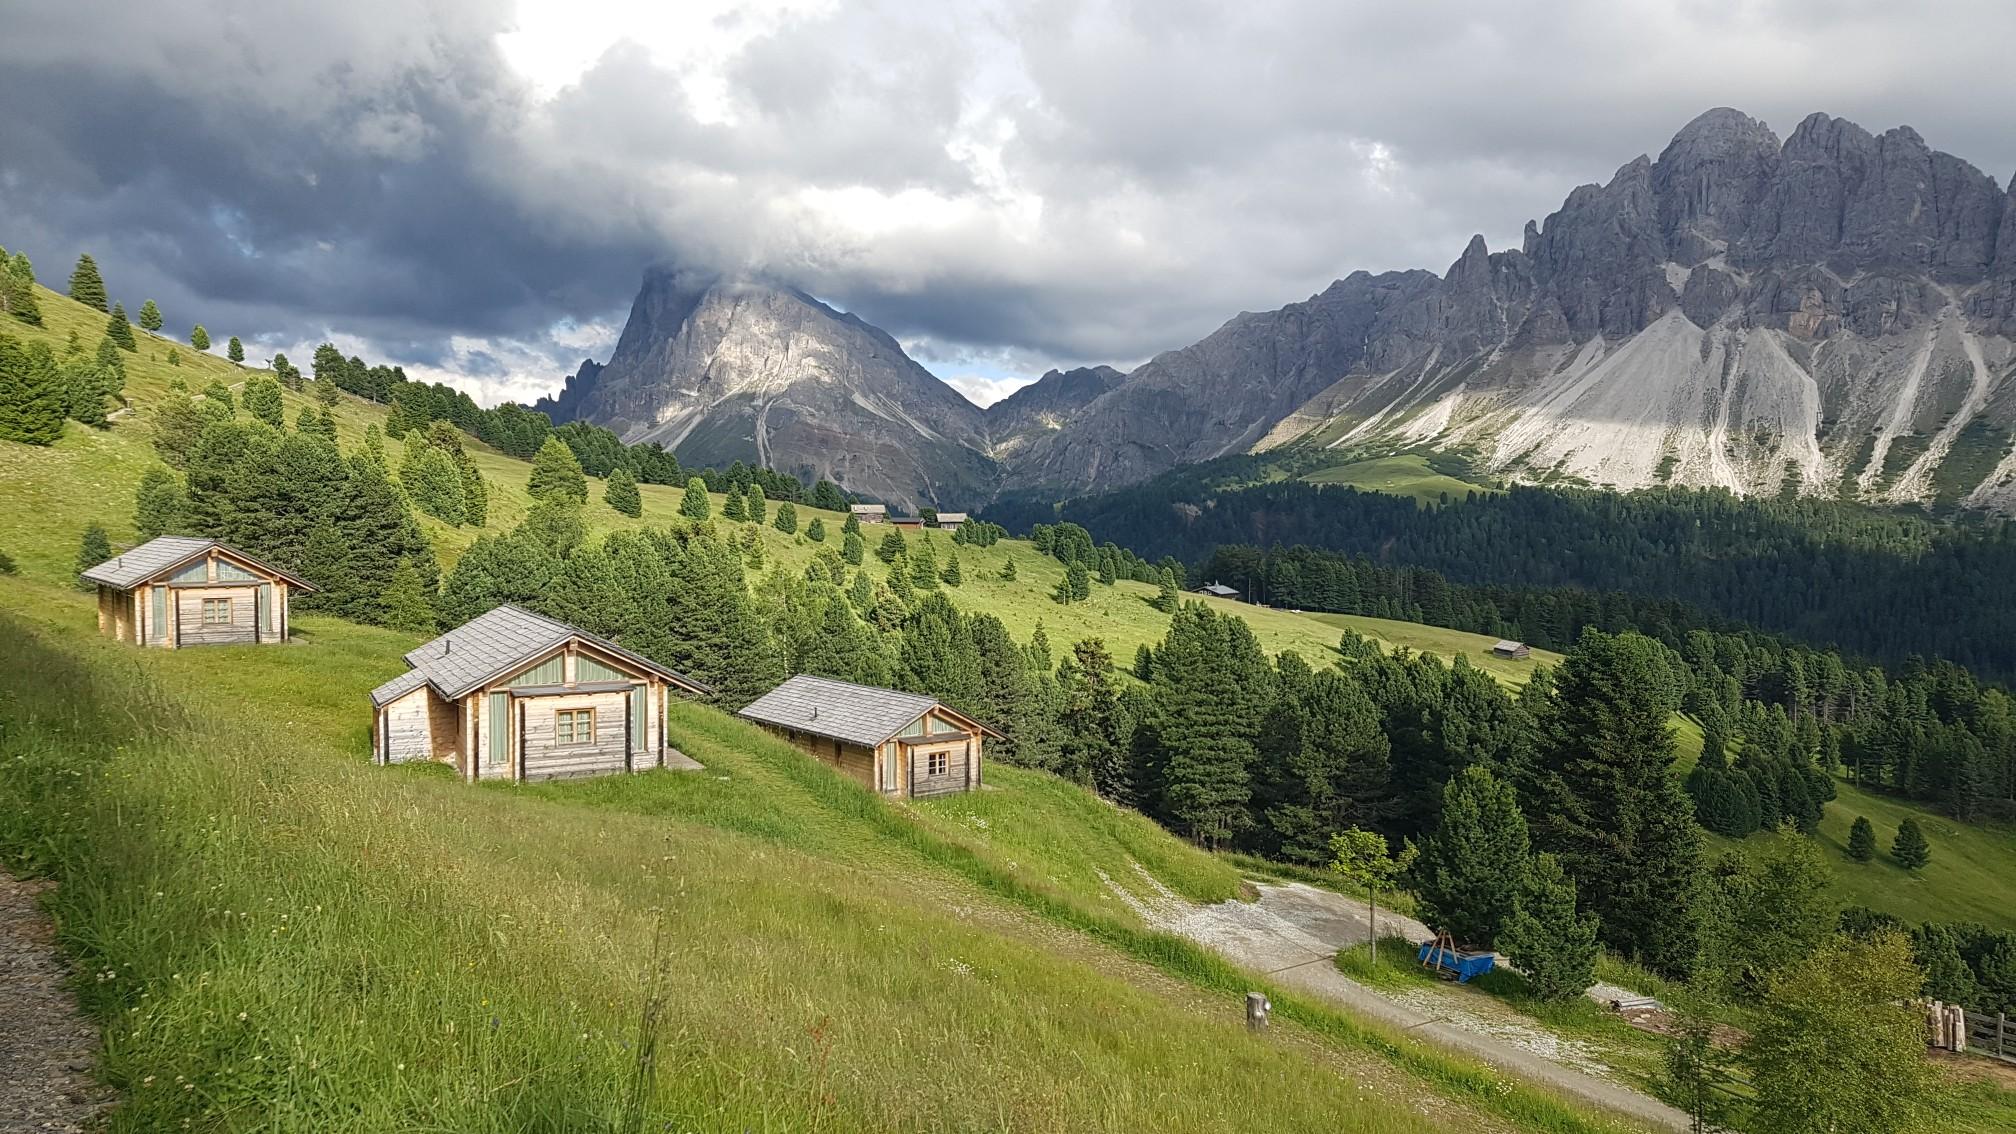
46, 1047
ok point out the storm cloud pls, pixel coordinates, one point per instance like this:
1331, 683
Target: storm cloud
472, 189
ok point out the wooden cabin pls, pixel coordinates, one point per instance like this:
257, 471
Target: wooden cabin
870, 513
1509, 649
903, 745
513, 695
950, 519
175, 591
1218, 590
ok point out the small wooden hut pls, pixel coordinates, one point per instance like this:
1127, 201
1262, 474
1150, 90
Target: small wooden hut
869, 513
903, 745
950, 519
176, 591
1506, 648
513, 695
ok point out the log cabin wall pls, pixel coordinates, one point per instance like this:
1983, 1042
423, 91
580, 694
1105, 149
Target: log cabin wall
543, 754
240, 628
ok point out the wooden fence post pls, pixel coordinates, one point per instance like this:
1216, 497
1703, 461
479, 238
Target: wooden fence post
2001, 1030
1257, 1008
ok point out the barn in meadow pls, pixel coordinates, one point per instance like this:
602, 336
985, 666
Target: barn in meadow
1506, 648
905, 745
513, 695
176, 591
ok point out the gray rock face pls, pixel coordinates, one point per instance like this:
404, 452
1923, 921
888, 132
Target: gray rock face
1045, 406
726, 370
1831, 315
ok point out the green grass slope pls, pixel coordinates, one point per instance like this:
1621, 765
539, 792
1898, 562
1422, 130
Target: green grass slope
284, 934
1407, 474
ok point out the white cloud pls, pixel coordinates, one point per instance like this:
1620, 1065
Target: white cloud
983, 391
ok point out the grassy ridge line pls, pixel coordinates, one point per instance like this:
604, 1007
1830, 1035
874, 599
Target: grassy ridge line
317, 944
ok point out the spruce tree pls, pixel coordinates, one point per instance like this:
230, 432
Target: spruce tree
756, 507
84, 384
434, 484
1909, 848
924, 565
1324, 762
475, 493
1468, 877
717, 632
557, 475
86, 287
1009, 697
17, 290
235, 351
735, 505
158, 504
1008, 570
620, 492
853, 548
814, 531
1861, 840
199, 338
937, 655
891, 548
695, 505
952, 575
406, 605
263, 401
119, 330
851, 525
1211, 685
33, 401
1601, 795
1167, 597
93, 549
1554, 945
327, 392
844, 647
150, 316
787, 520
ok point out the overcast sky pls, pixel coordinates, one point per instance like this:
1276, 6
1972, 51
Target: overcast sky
472, 189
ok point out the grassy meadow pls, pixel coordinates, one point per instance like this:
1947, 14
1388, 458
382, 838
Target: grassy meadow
277, 933
1406, 474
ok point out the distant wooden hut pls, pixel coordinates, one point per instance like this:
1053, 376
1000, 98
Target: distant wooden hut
870, 513
950, 519
903, 745
1218, 590
176, 591
513, 695
1510, 649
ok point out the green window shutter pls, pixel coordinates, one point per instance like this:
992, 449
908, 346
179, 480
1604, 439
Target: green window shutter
266, 608
160, 620
232, 573
640, 712
198, 572
500, 727
588, 669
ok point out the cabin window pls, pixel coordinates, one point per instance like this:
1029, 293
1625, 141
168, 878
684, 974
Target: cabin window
937, 763
574, 726
216, 612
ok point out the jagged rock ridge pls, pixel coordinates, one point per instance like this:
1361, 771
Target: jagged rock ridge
1829, 315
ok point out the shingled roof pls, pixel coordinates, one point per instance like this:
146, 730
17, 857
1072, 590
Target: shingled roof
490, 644
842, 710
163, 553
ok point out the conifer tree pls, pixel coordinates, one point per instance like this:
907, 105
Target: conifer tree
406, 605
93, 549
17, 289
1009, 698
787, 520
119, 330
73, 344
718, 635
756, 507
1324, 763
1601, 795
86, 286
1095, 730
1554, 945
327, 392
891, 548
827, 496
1075, 586
7, 564
1467, 879
852, 525
814, 531
844, 647
557, 475
1861, 840
735, 505
235, 351
1909, 848
150, 316
158, 504
937, 654
924, 565
33, 401
620, 492
1008, 570
1167, 597
952, 575
1211, 685
263, 401
433, 483
199, 338
861, 593
84, 384
695, 505
853, 548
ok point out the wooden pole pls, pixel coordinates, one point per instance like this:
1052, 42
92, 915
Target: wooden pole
1257, 1007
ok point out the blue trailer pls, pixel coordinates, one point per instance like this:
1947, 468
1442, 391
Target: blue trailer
1449, 962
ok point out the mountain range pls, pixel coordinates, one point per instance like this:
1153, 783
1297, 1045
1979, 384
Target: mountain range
1831, 314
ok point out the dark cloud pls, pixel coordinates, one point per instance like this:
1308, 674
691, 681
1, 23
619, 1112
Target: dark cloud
1022, 182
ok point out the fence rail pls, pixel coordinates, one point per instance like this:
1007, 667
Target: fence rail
1991, 1035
